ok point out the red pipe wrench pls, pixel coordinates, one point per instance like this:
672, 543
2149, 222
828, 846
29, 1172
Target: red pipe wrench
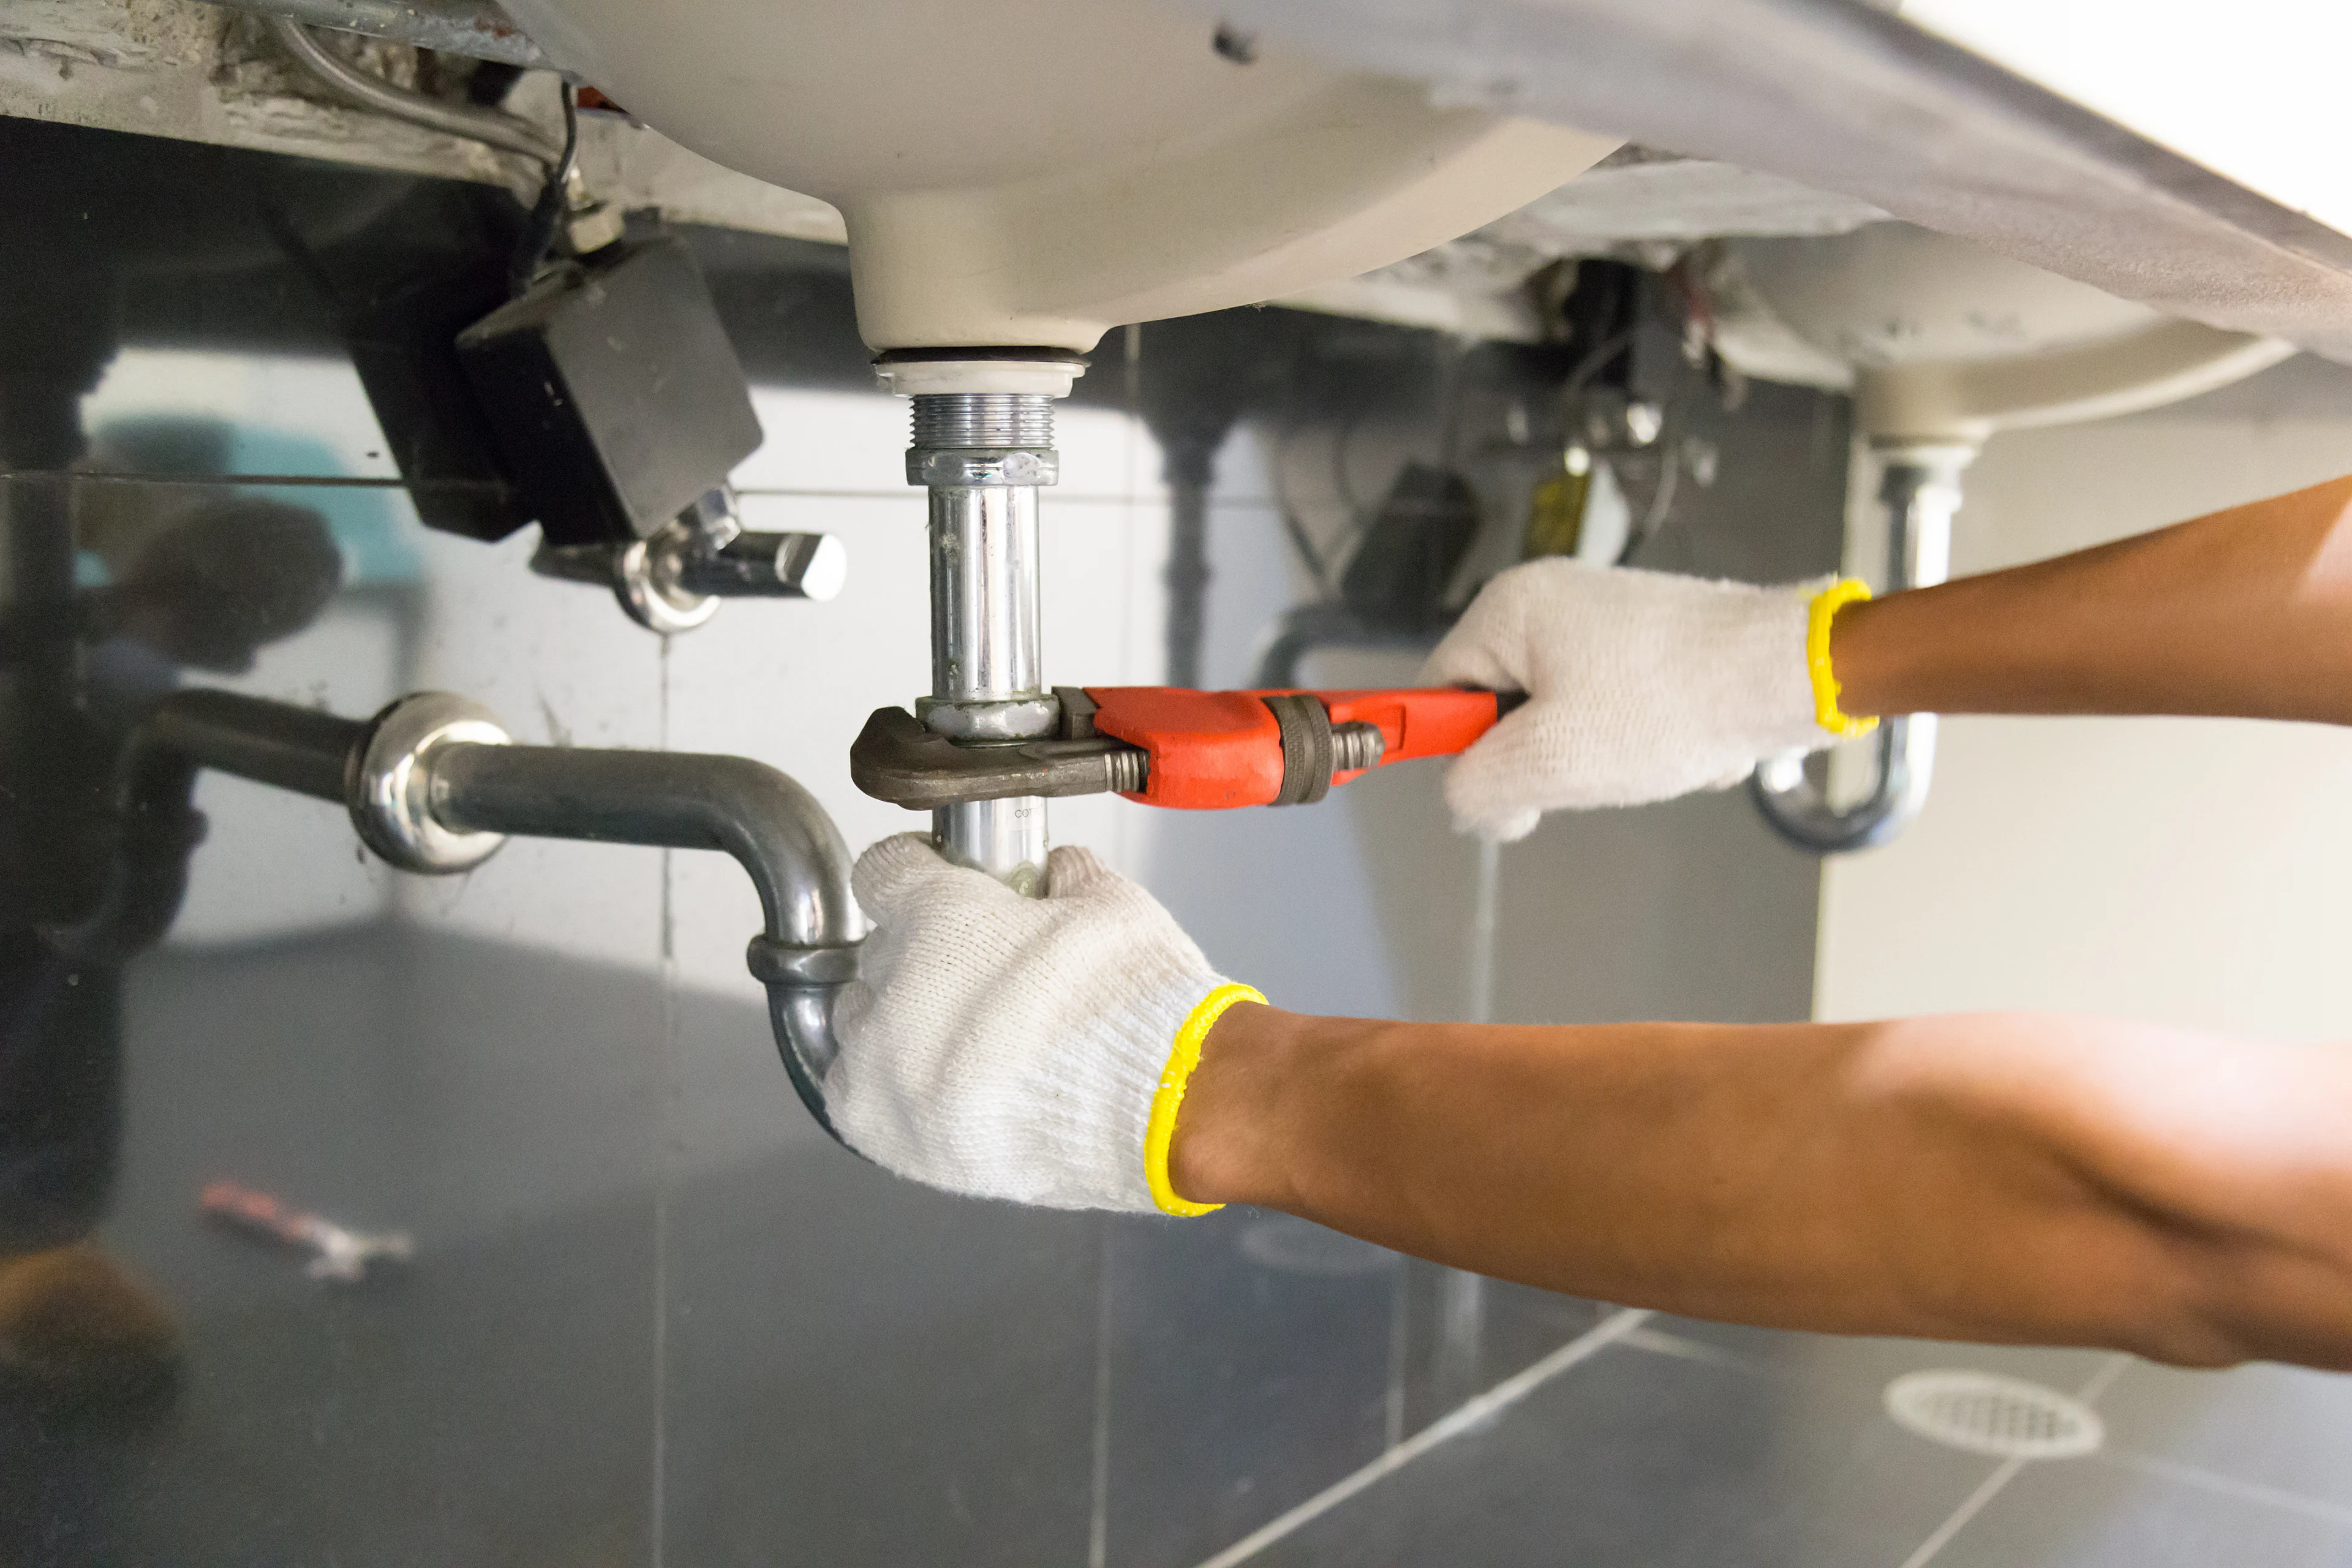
1171, 746
1208, 751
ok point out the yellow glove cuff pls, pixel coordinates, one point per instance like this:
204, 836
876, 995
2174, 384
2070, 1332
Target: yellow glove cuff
1160, 1130
1826, 605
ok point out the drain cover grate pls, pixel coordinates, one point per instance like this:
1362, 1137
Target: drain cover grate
1985, 1413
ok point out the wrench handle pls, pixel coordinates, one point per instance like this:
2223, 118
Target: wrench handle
1212, 751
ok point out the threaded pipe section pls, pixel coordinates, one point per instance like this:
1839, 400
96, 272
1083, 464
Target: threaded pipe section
1356, 746
1130, 770
987, 419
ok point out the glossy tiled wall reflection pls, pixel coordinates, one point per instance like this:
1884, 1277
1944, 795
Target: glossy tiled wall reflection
653, 1314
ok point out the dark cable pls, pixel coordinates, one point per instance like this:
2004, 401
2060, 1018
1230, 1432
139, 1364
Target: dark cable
1606, 353
554, 196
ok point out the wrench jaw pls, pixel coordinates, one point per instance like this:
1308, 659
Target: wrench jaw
898, 759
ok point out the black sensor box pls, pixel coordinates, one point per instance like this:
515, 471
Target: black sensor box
613, 395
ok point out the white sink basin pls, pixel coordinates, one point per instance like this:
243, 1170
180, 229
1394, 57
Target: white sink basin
1030, 173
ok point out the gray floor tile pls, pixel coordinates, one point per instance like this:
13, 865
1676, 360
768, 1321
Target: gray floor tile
856, 1369
499, 1391
1249, 1369
1461, 1334
2269, 1426
2093, 1514
1650, 1460
649, 1300
859, 1370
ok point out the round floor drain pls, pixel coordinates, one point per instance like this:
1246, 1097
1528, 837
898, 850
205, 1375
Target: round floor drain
1985, 1413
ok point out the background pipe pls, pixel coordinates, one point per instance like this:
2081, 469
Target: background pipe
152, 826
1921, 491
469, 28
434, 785
1950, 344
289, 748
491, 127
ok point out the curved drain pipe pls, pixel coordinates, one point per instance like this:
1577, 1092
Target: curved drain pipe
434, 785
1921, 491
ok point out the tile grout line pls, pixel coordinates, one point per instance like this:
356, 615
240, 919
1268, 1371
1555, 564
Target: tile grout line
1987, 1489
1098, 1459
1393, 1401
1659, 1342
2102, 1380
1098, 1477
659, 1500
658, 1503
1463, 1418
394, 482
2096, 1385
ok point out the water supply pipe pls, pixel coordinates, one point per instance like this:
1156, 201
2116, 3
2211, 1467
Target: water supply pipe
471, 27
1949, 345
433, 784
492, 126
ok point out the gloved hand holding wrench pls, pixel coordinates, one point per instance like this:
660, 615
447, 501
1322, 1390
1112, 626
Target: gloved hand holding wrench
1646, 686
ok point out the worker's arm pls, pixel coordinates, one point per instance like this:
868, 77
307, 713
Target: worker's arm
2246, 613
2002, 1177
1644, 686
1998, 1177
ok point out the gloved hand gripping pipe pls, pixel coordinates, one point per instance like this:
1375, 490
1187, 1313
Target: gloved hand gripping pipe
433, 784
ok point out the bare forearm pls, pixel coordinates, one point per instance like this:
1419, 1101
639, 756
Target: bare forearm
2246, 613
1994, 1177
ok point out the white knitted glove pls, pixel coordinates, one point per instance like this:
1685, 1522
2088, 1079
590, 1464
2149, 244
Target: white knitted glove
1011, 1048
1640, 686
